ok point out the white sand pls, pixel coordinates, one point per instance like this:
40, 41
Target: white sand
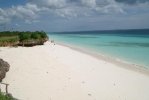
55, 72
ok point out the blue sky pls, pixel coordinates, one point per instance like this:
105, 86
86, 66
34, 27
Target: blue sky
73, 15
9, 3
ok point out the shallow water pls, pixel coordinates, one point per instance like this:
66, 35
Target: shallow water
128, 45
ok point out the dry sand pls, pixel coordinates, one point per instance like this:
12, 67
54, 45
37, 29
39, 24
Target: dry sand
56, 72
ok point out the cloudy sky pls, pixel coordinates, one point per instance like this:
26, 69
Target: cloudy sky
73, 15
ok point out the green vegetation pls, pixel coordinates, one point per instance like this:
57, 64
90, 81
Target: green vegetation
22, 38
8, 41
5, 97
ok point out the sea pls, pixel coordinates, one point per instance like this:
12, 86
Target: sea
131, 46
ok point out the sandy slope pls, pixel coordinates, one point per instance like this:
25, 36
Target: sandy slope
55, 72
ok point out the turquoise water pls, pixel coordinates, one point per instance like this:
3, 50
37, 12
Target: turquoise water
128, 45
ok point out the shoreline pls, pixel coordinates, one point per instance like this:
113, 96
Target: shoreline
55, 72
110, 59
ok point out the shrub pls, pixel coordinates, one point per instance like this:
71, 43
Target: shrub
43, 35
24, 36
35, 36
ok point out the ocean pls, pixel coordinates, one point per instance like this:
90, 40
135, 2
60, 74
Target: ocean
131, 46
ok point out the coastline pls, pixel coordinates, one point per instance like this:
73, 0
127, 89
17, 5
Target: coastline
55, 72
110, 59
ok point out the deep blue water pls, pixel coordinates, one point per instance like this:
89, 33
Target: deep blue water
128, 45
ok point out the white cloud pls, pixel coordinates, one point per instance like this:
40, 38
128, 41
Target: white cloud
26, 12
89, 3
3, 20
110, 6
31, 11
66, 13
67, 7
53, 4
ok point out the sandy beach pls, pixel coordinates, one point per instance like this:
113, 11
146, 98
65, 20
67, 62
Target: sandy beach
57, 72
